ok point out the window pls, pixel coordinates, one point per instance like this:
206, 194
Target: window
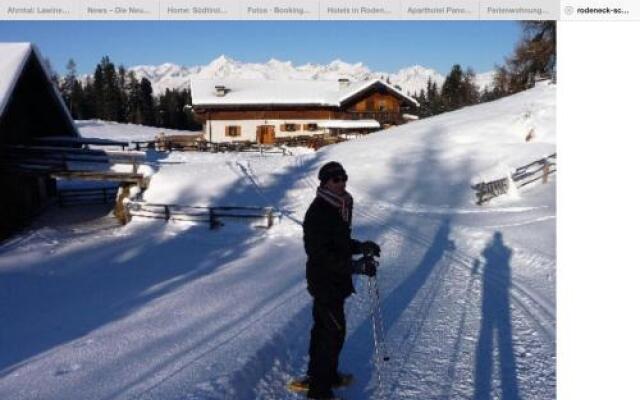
382, 105
311, 127
290, 127
232, 131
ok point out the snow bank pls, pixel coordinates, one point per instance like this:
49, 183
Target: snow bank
434, 161
96, 128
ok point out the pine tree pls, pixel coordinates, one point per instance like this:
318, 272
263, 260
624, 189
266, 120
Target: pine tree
122, 94
88, 100
147, 105
98, 93
68, 88
51, 72
500, 82
79, 102
452, 89
470, 92
534, 55
112, 96
434, 99
133, 107
424, 106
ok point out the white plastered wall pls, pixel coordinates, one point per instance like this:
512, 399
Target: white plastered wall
215, 129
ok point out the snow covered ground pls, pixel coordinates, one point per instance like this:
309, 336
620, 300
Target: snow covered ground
95, 128
156, 310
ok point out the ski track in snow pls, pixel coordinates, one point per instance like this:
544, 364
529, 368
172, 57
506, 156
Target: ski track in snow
532, 313
467, 316
432, 335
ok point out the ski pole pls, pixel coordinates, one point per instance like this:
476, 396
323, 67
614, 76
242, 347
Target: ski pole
376, 344
380, 320
377, 323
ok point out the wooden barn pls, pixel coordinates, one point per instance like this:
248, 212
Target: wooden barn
31, 109
264, 110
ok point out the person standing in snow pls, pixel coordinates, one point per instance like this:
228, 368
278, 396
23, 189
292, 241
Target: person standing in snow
329, 247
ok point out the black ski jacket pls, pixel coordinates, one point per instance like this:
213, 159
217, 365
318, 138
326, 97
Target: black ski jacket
329, 247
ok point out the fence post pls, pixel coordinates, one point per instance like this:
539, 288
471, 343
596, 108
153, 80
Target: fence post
212, 219
545, 172
167, 213
127, 213
270, 218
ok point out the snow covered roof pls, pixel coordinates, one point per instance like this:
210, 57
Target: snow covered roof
349, 123
13, 59
280, 92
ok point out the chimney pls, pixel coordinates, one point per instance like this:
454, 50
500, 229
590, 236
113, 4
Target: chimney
221, 91
343, 83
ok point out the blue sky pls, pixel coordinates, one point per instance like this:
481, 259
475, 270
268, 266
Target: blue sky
384, 46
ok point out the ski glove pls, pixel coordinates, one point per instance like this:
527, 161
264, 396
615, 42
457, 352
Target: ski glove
370, 248
364, 266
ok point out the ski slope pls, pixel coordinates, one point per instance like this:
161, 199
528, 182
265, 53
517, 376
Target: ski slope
156, 310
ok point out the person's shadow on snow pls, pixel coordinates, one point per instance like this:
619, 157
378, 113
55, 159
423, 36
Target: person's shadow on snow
496, 324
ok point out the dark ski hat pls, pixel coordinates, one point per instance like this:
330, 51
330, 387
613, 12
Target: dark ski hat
330, 170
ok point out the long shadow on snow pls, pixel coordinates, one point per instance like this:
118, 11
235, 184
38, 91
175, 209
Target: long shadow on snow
359, 346
496, 324
284, 350
288, 345
47, 311
359, 353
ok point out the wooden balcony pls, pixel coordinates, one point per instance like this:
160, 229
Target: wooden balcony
384, 117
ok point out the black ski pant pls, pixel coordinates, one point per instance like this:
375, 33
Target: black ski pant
327, 338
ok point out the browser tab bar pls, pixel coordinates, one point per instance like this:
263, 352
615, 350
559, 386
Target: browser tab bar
308, 9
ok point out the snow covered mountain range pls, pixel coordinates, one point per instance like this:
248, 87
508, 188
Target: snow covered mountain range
173, 76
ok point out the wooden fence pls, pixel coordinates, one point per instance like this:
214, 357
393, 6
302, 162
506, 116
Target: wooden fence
209, 215
525, 175
314, 142
103, 195
211, 147
310, 141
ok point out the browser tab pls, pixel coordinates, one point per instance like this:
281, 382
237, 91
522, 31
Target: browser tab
360, 9
600, 10
110, 10
519, 9
280, 10
440, 9
37, 10
199, 9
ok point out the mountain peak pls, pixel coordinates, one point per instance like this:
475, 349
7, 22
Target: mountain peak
171, 76
222, 60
